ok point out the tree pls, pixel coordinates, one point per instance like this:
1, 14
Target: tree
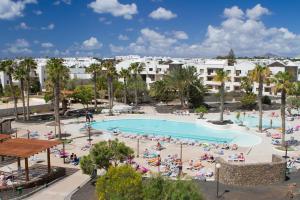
95, 69
29, 64
120, 183
20, 75
57, 73
231, 58
125, 74
8, 67
221, 77
293, 102
105, 154
162, 188
259, 75
1, 89
160, 91
111, 74
86, 164
83, 94
136, 84
136, 69
247, 85
196, 92
248, 101
283, 84
201, 110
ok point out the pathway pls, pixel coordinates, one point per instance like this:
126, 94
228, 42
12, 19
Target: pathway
61, 189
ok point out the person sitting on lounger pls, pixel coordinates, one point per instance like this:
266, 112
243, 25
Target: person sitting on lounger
198, 165
72, 157
158, 146
204, 157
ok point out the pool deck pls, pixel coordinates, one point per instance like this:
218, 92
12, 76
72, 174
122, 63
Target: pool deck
258, 153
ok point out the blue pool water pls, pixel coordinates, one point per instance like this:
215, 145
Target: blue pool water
181, 130
252, 121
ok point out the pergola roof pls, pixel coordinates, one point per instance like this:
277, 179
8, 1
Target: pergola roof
4, 137
24, 148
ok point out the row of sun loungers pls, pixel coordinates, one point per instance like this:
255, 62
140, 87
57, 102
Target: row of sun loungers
180, 112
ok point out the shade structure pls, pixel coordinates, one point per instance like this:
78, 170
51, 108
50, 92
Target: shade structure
24, 148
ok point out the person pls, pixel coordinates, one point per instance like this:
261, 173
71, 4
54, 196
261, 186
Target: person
87, 117
2, 179
179, 168
271, 123
72, 157
158, 146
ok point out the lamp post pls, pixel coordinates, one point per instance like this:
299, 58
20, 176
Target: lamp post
218, 166
138, 148
89, 132
181, 151
286, 157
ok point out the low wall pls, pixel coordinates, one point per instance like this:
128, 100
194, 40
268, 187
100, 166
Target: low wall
34, 108
252, 174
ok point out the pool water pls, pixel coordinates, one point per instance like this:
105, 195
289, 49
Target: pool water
252, 121
180, 130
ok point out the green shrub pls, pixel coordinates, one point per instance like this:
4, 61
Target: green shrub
266, 100
248, 101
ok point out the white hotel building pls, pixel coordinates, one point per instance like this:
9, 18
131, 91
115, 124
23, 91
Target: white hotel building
157, 67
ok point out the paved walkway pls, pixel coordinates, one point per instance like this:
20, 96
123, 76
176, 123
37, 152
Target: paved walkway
61, 189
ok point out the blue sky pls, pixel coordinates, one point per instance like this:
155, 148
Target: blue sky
178, 28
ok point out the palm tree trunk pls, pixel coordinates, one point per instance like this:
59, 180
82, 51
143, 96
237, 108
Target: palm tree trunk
136, 91
23, 98
222, 102
95, 91
259, 100
28, 91
282, 108
56, 107
14, 96
110, 98
125, 92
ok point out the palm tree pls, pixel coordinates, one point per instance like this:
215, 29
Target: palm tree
94, 69
222, 77
57, 73
260, 74
20, 74
136, 68
283, 84
111, 73
125, 74
8, 67
29, 64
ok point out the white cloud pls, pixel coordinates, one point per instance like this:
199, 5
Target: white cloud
114, 7
23, 26
37, 12
162, 13
257, 11
10, 9
104, 21
58, 2
20, 46
47, 45
233, 12
246, 35
116, 49
49, 27
91, 44
123, 37
181, 35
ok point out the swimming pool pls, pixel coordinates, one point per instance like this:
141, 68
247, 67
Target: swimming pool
252, 121
181, 130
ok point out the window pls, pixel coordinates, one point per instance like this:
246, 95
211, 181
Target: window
201, 71
228, 71
150, 69
227, 88
238, 72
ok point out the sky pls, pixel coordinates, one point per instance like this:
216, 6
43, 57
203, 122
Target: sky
175, 28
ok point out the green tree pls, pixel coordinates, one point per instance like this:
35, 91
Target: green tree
222, 77
20, 75
111, 74
29, 65
160, 91
105, 154
136, 84
86, 164
83, 94
57, 74
283, 84
247, 85
8, 67
196, 93
293, 102
125, 74
136, 69
95, 69
248, 101
260, 74
1, 89
120, 183
231, 58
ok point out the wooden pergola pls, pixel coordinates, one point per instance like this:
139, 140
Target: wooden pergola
24, 148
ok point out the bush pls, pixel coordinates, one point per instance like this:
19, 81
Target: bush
120, 183
201, 110
248, 101
266, 100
